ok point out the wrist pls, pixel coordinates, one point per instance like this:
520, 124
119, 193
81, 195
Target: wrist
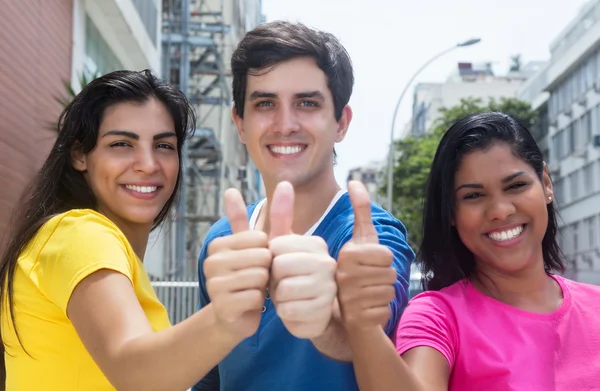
222, 335
363, 332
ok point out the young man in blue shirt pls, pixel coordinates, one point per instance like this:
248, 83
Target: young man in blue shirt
291, 87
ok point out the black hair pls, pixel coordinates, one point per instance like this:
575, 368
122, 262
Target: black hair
58, 187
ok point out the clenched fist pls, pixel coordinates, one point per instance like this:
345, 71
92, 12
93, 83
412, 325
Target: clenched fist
237, 271
302, 284
364, 274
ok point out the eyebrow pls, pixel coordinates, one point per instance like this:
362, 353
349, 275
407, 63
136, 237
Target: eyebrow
480, 186
308, 94
125, 133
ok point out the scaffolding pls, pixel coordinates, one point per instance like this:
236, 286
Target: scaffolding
194, 36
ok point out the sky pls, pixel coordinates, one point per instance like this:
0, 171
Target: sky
388, 40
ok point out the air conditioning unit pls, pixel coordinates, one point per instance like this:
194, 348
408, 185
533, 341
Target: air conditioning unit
568, 112
554, 123
581, 153
582, 101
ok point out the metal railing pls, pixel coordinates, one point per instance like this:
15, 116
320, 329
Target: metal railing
180, 298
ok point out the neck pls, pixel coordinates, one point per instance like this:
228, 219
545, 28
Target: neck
138, 239
310, 202
531, 290
136, 234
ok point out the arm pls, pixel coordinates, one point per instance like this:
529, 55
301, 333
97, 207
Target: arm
212, 381
93, 286
114, 329
391, 234
378, 366
333, 343
422, 358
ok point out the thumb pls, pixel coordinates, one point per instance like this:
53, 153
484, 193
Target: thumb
282, 210
364, 230
235, 209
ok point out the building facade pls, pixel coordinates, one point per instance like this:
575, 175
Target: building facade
468, 81
567, 94
372, 177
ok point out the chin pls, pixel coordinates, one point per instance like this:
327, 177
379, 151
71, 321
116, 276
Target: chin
141, 217
295, 178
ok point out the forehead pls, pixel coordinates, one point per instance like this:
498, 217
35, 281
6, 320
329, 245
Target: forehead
149, 116
288, 78
491, 164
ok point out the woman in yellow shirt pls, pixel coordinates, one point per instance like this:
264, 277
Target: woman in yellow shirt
78, 311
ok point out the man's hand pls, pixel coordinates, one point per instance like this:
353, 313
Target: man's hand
364, 274
302, 282
237, 271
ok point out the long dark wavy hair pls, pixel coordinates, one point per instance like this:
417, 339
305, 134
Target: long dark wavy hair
443, 257
58, 187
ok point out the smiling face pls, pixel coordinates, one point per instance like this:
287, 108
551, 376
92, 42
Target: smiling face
289, 126
133, 169
501, 209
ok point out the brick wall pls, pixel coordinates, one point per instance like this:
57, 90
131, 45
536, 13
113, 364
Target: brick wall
35, 59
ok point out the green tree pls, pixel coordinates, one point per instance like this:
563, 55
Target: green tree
414, 156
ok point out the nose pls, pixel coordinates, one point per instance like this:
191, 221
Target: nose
286, 121
500, 208
145, 160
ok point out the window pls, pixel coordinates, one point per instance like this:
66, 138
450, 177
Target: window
567, 240
588, 126
559, 191
591, 230
99, 57
574, 186
588, 179
590, 68
572, 138
596, 176
575, 232
585, 130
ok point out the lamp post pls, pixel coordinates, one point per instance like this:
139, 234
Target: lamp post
390, 165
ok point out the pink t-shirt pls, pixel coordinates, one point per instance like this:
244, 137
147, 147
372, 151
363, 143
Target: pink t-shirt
495, 347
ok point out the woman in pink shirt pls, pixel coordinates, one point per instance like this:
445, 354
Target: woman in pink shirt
493, 316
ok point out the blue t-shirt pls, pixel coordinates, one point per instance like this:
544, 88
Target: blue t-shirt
273, 359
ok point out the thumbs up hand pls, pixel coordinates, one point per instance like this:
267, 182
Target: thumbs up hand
237, 272
302, 284
364, 274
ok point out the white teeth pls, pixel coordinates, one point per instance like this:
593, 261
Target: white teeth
286, 150
506, 235
142, 189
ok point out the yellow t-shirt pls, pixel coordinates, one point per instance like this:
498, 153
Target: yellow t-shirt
66, 249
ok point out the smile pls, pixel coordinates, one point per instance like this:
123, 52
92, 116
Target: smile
142, 189
502, 236
287, 150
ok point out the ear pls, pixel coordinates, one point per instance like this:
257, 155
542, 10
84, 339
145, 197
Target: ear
547, 184
239, 124
78, 158
343, 124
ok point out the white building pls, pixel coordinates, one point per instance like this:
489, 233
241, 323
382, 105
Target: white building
469, 81
567, 94
110, 35
371, 176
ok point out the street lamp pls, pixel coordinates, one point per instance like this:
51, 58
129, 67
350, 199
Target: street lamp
390, 165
